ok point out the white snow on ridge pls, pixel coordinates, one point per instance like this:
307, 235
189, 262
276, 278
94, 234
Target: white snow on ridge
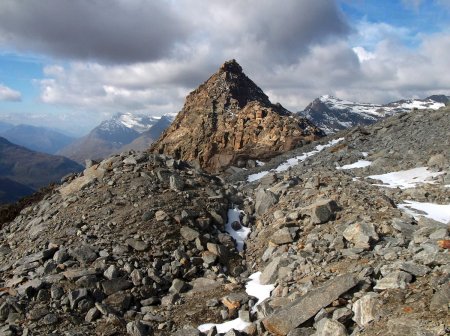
438, 212
240, 235
380, 110
139, 123
357, 164
422, 104
293, 161
406, 178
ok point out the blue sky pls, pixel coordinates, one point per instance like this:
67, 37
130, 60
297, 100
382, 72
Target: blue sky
69, 65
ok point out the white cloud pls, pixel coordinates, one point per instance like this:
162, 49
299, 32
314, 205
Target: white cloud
8, 94
296, 52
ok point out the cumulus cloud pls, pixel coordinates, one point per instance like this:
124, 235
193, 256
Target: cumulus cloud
139, 30
112, 31
146, 56
262, 37
8, 94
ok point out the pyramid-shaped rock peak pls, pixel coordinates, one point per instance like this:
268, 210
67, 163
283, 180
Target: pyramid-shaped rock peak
229, 120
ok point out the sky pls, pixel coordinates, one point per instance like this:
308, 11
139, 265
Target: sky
70, 64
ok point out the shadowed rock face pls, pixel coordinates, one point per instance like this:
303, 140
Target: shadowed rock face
228, 120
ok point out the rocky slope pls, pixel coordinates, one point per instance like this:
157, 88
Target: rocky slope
228, 120
138, 244
30, 169
348, 256
122, 132
332, 114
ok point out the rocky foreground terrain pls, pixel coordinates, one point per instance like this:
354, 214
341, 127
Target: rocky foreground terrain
140, 243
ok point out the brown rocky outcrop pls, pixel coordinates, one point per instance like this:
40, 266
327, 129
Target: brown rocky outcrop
228, 120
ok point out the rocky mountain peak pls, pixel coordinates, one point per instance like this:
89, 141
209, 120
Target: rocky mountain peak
231, 66
229, 120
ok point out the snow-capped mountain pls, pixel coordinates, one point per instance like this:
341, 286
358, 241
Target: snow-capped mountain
332, 114
117, 134
136, 122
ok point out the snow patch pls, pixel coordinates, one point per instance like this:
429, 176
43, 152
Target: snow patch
438, 212
357, 164
252, 288
256, 289
236, 324
406, 178
293, 161
240, 235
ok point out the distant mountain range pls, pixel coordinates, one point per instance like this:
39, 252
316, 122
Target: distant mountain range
23, 171
332, 114
121, 132
39, 139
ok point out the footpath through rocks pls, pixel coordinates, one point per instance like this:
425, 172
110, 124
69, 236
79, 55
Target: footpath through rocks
141, 244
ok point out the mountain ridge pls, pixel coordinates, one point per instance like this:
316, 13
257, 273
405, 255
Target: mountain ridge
333, 114
115, 135
229, 120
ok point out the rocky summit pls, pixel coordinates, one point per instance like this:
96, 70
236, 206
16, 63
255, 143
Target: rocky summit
229, 120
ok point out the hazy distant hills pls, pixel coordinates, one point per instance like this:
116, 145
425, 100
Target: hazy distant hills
332, 114
11, 191
39, 139
22, 168
4, 126
122, 132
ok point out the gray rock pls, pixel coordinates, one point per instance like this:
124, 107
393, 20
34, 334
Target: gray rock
178, 286
136, 244
282, 236
136, 277
137, 328
441, 299
92, 314
84, 254
218, 249
111, 272
169, 299
328, 327
73, 274
76, 296
322, 211
396, 279
342, 315
30, 287
302, 309
367, 309
115, 285
264, 200
361, 234
188, 233
49, 319
413, 268
270, 273
176, 183
119, 301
